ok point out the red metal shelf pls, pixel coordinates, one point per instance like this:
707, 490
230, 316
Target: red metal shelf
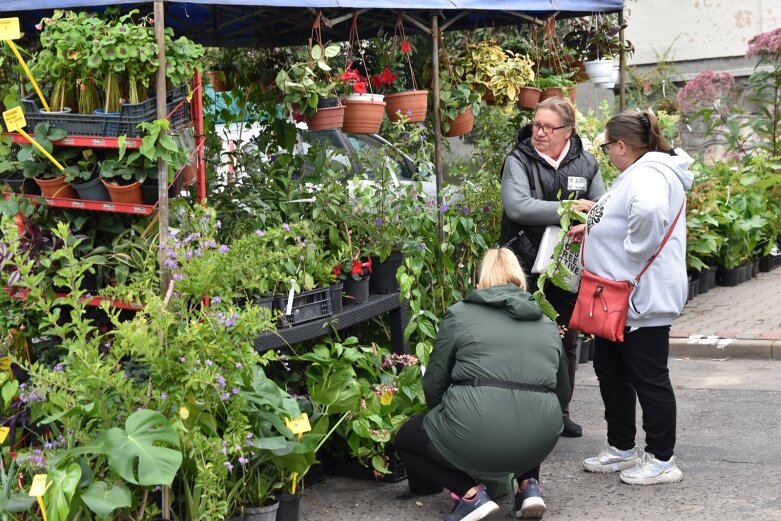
82, 141
88, 300
84, 204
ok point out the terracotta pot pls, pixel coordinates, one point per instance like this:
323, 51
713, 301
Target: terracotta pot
56, 187
528, 97
363, 114
462, 124
326, 118
553, 92
130, 194
413, 103
489, 98
216, 80
572, 92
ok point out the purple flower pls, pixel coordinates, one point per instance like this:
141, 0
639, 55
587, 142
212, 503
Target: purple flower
220, 380
286, 227
229, 465
170, 264
260, 233
421, 246
224, 248
235, 390
443, 208
178, 276
405, 136
239, 365
249, 435
163, 396
243, 460
59, 367
198, 252
224, 396
209, 362
216, 300
379, 221
465, 210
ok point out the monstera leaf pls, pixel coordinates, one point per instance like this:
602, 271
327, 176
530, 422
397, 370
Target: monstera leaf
141, 453
62, 482
102, 499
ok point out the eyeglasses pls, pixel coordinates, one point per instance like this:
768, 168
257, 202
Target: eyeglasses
604, 147
546, 129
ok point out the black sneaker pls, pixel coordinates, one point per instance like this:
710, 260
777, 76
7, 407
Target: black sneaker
473, 509
571, 429
529, 502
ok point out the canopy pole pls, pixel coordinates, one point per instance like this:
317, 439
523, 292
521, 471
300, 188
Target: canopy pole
621, 63
162, 166
437, 121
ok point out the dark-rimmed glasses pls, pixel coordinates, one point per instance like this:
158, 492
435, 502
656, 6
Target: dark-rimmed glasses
604, 147
546, 129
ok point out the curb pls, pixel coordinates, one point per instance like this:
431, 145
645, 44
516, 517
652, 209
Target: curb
702, 346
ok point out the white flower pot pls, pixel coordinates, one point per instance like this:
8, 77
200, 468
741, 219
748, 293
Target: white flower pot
599, 71
367, 98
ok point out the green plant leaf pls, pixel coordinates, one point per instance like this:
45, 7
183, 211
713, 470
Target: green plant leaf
135, 453
61, 489
103, 500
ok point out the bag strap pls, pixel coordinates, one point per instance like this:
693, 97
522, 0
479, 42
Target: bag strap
653, 257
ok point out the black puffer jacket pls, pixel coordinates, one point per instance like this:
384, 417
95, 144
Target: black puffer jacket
546, 184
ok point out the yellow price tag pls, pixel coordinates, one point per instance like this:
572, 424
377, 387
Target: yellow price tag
300, 425
14, 119
4, 434
38, 488
5, 363
9, 29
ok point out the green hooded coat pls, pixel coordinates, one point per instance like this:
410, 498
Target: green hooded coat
498, 333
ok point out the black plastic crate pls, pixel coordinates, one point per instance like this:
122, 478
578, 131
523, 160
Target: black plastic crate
307, 306
112, 125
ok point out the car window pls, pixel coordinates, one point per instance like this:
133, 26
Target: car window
362, 142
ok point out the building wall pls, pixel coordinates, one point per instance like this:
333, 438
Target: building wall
697, 29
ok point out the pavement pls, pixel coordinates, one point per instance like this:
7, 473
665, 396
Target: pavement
728, 435
732, 322
725, 365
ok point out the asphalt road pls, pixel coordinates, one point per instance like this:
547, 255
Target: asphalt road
729, 435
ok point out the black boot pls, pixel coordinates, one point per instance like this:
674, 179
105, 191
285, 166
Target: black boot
571, 429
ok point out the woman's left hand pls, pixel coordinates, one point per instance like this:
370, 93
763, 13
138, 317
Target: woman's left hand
577, 232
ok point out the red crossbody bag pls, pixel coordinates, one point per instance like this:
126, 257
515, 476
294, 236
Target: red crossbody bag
602, 304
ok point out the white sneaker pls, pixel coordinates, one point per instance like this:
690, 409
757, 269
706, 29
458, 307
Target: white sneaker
612, 460
651, 471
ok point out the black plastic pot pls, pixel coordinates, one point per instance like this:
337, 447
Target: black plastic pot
702, 281
288, 507
712, 272
356, 291
383, 279
729, 277
336, 297
93, 190
22, 185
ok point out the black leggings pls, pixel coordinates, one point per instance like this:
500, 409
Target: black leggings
427, 467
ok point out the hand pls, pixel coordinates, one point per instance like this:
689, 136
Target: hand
584, 205
577, 233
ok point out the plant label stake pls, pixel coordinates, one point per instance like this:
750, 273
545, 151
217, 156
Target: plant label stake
298, 426
4, 434
37, 490
14, 120
9, 31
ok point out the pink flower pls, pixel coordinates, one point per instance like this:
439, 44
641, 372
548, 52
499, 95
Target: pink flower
706, 91
765, 44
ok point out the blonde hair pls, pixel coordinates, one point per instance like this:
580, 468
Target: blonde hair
562, 107
500, 266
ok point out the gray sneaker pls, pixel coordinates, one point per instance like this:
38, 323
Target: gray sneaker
473, 509
651, 471
612, 459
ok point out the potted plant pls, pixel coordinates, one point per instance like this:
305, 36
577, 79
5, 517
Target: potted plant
11, 170
84, 177
554, 85
596, 41
309, 89
509, 76
399, 98
38, 167
458, 105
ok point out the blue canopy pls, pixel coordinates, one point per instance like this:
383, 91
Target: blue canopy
285, 22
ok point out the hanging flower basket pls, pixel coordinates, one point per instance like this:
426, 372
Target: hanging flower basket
462, 124
599, 71
326, 118
363, 113
411, 103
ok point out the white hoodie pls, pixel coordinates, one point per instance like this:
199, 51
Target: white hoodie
626, 227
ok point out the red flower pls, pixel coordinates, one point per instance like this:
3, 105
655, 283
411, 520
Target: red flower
357, 268
359, 87
406, 47
351, 74
383, 80
337, 270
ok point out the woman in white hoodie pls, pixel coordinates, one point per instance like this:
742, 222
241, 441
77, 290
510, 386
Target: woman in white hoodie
625, 228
